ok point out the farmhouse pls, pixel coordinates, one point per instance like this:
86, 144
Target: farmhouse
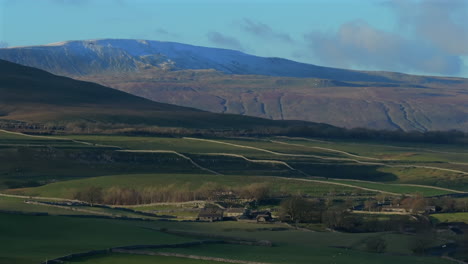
234, 212
394, 209
262, 216
211, 214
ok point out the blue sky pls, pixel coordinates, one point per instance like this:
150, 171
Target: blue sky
414, 36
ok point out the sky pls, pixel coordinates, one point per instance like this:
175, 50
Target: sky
428, 37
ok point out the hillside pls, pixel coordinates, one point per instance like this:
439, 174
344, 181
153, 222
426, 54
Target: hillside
126, 55
227, 81
33, 95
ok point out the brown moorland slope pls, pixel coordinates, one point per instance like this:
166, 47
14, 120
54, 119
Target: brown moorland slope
32, 95
227, 81
421, 107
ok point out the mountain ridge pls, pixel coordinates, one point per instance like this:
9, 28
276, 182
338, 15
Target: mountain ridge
226, 81
131, 53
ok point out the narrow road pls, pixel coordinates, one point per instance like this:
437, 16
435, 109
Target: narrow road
172, 152
430, 187
328, 158
37, 197
326, 149
165, 254
339, 184
251, 160
377, 145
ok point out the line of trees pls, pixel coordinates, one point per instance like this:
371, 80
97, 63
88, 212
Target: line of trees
172, 193
337, 216
298, 209
418, 203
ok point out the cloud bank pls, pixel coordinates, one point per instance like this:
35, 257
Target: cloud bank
263, 31
224, 41
432, 38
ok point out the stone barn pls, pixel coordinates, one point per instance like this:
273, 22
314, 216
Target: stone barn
211, 214
234, 213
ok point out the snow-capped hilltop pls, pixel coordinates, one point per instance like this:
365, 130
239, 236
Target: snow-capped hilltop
88, 57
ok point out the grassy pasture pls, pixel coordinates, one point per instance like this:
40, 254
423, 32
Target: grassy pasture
313, 166
394, 188
451, 217
53, 236
32, 239
429, 177
18, 204
311, 252
66, 189
163, 143
94, 160
139, 259
391, 150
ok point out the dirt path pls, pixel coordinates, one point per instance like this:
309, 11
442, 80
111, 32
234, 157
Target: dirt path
337, 183
165, 254
326, 149
27, 135
251, 160
37, 197
377, 145
172, 152
60, 138
328, 158
72, 209
274, 152
430, 187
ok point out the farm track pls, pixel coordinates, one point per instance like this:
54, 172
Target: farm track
376, 145
430, 187
327, 158
327, 149
72, 209
251, 160
165, 254
59, 138
173, 152
37, 197
408, 184
338, 184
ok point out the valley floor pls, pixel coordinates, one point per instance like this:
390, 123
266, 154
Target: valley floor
44, 180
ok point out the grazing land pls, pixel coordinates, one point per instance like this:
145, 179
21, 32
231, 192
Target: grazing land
98, 192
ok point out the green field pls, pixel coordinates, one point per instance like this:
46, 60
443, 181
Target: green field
61, 167
32, 239
299, 254
451, 217
53, 236
397, 188
175, 182
127, 258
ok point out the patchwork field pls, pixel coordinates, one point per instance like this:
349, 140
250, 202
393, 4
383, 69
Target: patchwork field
37, 171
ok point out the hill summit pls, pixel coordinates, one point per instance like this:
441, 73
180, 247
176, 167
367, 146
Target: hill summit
229, 81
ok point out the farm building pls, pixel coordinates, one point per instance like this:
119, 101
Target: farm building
234, 212
261, 216
211, 214
394, 209
264, 218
